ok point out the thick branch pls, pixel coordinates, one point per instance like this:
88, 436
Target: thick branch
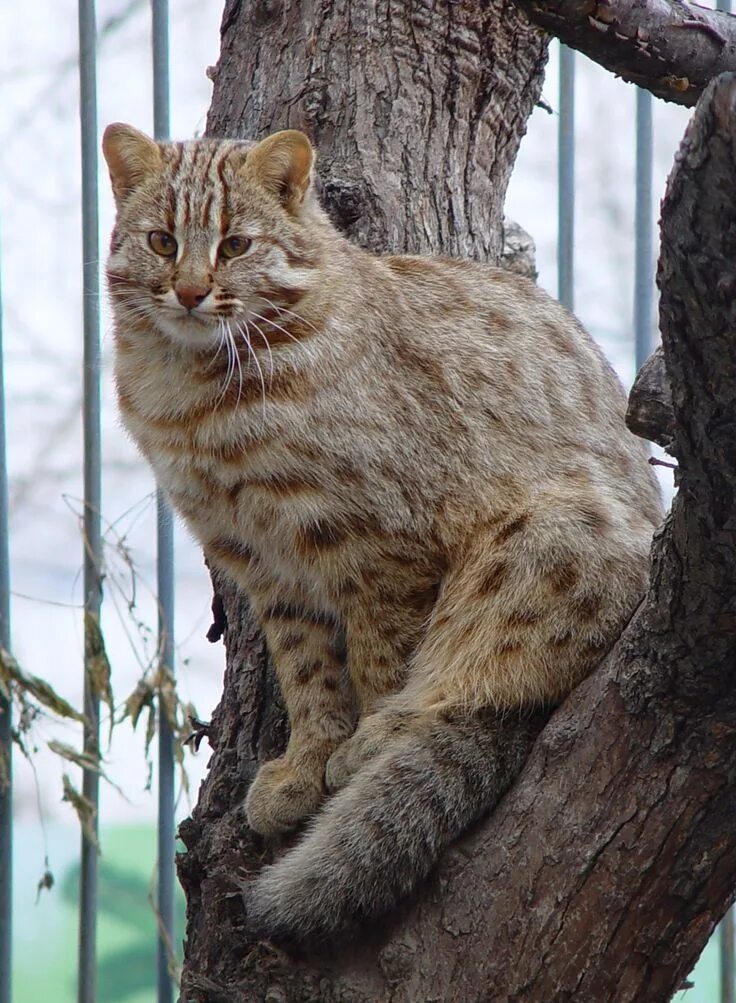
669, 47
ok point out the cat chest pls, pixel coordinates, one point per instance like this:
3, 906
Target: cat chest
306, 522
282, 508
292, 494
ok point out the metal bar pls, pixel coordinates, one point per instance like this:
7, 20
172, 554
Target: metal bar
6, 739
160, 46
92, 480
566, 180
166, 836
726, 935
727, 931
165, 584
644, 231
727, 928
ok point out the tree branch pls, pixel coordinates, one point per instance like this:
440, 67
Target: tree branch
669, 47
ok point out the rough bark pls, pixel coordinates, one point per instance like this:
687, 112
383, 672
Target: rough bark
417, 109
649, 414
602, 873
669, 47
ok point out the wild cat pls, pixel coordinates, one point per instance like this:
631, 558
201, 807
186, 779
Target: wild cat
416, 469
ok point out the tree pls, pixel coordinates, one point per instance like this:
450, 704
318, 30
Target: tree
603, 871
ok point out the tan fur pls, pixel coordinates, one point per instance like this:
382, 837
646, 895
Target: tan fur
418, 461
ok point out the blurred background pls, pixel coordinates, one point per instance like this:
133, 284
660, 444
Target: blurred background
40, 241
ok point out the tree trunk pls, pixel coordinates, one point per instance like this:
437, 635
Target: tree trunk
417, 110
602, 873
417, 113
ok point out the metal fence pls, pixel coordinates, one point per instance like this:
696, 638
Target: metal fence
92, 556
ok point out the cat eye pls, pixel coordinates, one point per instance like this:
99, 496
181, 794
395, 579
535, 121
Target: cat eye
162, 243
233, 247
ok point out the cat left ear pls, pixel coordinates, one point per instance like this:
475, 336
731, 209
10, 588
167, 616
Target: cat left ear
131, 157
283, 163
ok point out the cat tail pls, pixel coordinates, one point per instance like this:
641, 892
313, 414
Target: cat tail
378, 837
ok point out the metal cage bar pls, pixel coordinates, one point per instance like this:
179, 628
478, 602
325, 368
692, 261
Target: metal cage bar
727, 928
644, 231
566, 180
165, 587
726, 936
92, 481
6, 738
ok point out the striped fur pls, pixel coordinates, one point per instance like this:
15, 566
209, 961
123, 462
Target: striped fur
414, 467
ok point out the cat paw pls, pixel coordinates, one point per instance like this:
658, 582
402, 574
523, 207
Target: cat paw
369, 741
280, 797
341, 765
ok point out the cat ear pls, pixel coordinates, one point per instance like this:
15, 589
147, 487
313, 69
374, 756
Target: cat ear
283, 163
131, 157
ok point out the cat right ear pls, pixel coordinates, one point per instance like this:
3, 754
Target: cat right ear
131, 157
283, 163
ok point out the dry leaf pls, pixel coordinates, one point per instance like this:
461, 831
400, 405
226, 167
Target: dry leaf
142, 696
38, 688
46, 883
85, 760
86, 811
96, 662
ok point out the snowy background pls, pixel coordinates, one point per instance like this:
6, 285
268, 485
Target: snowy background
41, 278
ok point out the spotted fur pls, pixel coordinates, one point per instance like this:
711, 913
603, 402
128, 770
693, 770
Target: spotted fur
414, 467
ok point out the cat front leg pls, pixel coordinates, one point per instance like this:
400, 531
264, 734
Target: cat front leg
382, 630
375, 734
306, 646
519, 621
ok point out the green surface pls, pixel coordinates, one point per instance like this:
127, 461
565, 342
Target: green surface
705, 976
46, 931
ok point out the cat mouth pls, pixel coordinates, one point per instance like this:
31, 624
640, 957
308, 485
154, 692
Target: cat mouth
190, 316
196, 330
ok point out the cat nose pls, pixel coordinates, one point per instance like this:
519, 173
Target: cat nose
191, 296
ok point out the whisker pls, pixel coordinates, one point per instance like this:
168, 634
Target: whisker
231, 352
253, 355
277, 326
305, 346
268, 349
220, 343
143, 310
283, 310
120, 278
240, 376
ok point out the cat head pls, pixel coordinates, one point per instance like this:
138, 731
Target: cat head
211, 234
